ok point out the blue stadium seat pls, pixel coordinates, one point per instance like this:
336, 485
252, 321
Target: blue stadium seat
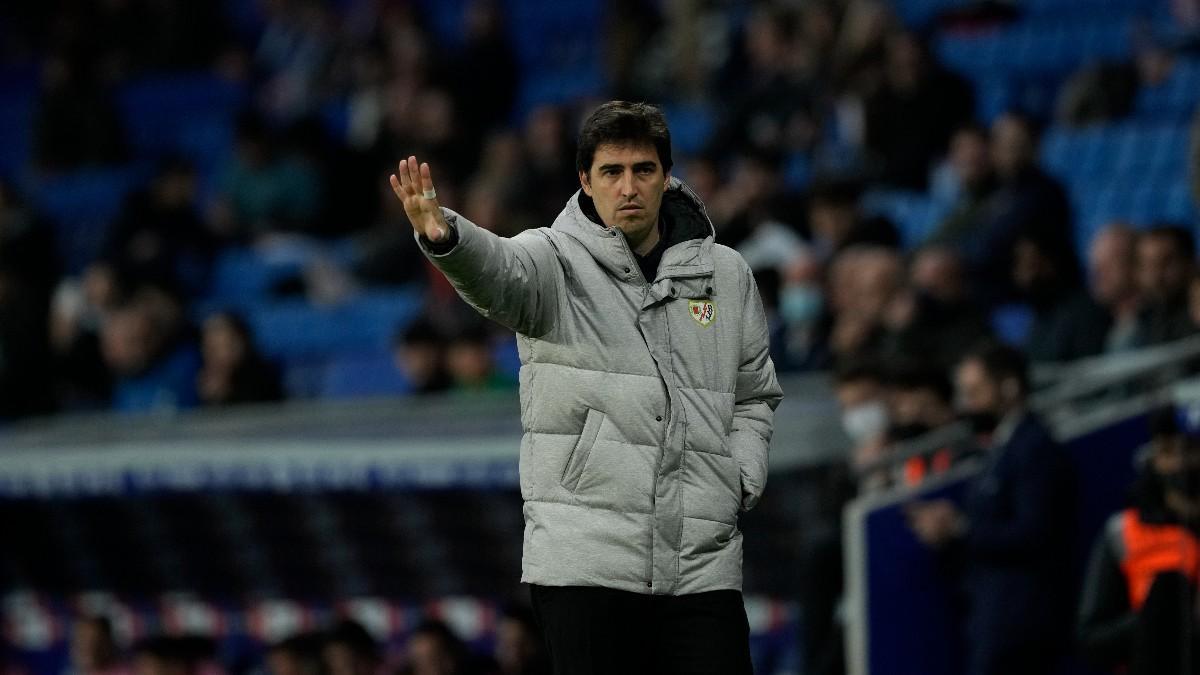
190, 114
691, 127
295, 329
82, 204
1038, 47
1176, 97
914, 213
364, 374
1011, 323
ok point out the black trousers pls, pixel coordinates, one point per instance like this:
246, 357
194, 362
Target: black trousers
602, 631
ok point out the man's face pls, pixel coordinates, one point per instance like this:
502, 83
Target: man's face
969, 157
627, 184
1111, 261
1162, 271
977, 392
1012, 148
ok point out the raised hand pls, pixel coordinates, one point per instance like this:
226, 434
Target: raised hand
414, 187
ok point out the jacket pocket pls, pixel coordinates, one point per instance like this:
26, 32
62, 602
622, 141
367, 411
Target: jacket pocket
573, 471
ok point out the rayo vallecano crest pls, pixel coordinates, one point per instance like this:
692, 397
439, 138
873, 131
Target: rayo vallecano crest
703, 311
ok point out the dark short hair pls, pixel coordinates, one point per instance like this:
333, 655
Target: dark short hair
1180, 237
1001, 362
858, 370
622, 122
922, 377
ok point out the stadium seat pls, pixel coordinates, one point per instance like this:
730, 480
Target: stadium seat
82, 204
188, 114
1176, 97
914, 213
366, 374
295, 329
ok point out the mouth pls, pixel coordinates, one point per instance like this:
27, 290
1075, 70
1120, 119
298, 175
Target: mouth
630, 208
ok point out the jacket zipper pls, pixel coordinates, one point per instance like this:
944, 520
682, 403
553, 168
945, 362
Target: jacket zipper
637, 269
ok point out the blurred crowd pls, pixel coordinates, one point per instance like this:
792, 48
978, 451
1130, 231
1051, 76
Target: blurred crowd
816, 104
345, 647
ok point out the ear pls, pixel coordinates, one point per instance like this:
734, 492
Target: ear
666, 180
585, 183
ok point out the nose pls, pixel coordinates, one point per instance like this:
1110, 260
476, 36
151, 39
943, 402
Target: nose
627, 184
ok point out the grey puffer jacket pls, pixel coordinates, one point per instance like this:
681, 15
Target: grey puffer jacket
647, 407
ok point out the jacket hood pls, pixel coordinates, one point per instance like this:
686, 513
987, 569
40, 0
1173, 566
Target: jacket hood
690, 233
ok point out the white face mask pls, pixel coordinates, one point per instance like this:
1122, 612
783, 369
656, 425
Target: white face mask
865, 421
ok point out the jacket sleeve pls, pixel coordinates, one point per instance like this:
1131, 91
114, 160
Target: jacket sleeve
1105, 623
756, 395
514, 281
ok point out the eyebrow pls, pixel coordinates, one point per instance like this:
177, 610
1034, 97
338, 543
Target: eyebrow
639, 165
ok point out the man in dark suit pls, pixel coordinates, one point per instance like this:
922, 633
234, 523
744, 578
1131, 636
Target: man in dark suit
1011, 538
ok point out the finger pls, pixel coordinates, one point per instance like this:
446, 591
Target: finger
426, 179
402, 173
396, 186
413, 178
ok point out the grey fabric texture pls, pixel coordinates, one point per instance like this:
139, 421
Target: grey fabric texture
646, 429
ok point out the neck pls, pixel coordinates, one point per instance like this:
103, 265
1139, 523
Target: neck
647, 243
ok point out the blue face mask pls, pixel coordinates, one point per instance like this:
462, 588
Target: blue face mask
800, 304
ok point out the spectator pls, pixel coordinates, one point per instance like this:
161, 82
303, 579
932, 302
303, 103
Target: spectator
1142, 577
159, 234
910, 118
1026, 200
28, 265
418, 353
434, 649
1113, 287
836, 222
1194, 301
519, 648
1165, 262
974, 182
804, 322
1013, 532
94, 648
296, 655
160, 655
485, 75
921, 400
350, 650
933, 320
470, 363
232, 370
862, 397
79, 308
153, 367
261, 190
1067, 323
77, 124
864, 282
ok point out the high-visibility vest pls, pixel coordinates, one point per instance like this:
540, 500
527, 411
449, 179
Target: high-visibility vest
917, 468
1151, 549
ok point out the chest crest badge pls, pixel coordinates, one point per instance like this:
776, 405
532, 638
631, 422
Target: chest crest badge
703, 311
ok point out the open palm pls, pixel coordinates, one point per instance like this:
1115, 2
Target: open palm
412, 183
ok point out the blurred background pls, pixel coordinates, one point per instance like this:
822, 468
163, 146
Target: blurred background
245, 428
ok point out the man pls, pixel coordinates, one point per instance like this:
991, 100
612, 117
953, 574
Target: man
647, 398
1165, 262
1026, 199
1012, 535
1145, 566
1111, 276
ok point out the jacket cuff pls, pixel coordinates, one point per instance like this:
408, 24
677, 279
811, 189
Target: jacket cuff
445, 246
